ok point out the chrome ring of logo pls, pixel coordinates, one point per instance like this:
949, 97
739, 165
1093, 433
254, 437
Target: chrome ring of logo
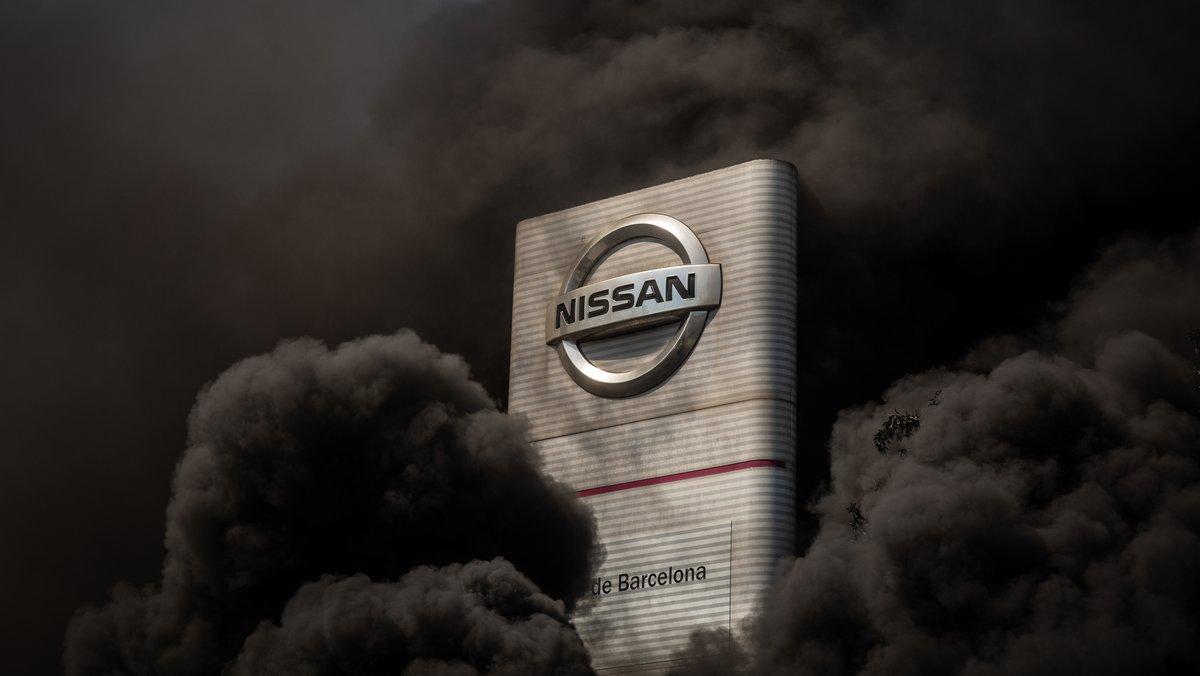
634, 302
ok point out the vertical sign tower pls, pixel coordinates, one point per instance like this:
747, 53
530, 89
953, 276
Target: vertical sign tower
654, 353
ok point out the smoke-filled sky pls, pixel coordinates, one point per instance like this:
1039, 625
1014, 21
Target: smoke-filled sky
184, 185
1043, 518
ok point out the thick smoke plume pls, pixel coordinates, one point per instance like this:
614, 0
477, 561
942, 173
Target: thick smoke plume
1045, 518
313, 484
481, 617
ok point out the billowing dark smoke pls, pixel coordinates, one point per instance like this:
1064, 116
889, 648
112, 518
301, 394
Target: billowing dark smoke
314, 482
481, 617
1045, 518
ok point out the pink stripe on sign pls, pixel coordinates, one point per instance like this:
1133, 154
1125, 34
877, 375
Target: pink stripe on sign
680, 476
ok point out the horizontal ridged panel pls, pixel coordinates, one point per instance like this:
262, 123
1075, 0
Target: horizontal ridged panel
624, 353
747, 430
733, 400
634, 621
737, 525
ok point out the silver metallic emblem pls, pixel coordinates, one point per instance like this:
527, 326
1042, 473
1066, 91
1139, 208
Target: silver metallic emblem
633, 302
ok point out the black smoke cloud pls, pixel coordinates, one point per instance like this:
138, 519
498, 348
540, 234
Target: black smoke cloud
184, 184
1045, 518
313, 482
461, 619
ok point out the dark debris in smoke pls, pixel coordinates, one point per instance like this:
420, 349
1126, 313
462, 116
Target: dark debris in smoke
895, 429
858, 522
